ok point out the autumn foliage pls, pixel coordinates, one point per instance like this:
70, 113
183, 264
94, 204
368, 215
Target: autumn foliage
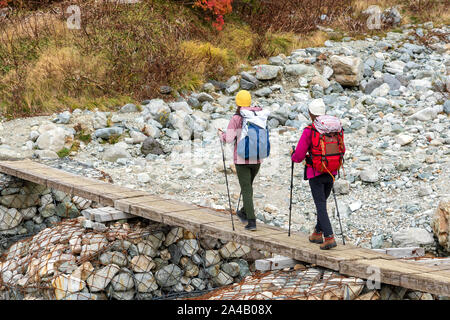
217, 8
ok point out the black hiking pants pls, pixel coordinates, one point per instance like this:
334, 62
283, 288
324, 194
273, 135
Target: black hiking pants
321, 188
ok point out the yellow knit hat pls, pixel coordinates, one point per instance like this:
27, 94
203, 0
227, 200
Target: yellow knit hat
243, 98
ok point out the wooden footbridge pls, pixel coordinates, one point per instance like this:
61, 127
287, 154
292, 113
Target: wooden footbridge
349, 260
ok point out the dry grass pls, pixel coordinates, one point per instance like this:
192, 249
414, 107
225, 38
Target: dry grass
313, 39
125, 53
32, 25
65, 72
238, 38
420, 11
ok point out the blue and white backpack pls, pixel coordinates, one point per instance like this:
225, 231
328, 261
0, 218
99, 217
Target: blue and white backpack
254, 142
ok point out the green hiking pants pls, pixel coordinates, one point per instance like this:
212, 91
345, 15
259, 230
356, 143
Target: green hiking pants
246, 174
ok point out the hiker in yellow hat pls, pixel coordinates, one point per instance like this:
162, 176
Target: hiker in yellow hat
246, 168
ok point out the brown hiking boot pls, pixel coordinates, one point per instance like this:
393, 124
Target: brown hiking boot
316, 237
328, 243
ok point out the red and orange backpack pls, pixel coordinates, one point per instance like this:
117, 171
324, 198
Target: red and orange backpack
327, 148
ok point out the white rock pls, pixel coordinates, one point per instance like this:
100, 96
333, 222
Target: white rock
53, 140
122, 282
381, 91
425, 191
233, 250
348, 70
99, 120
426, 114
143, 177
395, 66
146, 282
412, 237
9, 218
327, 72
65, 285
369, 175
420, 84
7, 153
267, 72
115, 152
355, 205
142, 263
183, 105
173, 236
137, 137
34, 135
403, 139
46, 154
98, 280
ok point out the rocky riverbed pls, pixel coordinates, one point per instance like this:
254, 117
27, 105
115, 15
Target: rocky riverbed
392, 97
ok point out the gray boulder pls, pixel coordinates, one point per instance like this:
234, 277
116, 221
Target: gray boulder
99, 120
115, 152
183, 123
152, 146
63, 118
447, 106
412, 237
348, 70
369, 175
169, 275
182, 105
300, 70
9, 218
129, 107
106, 133
157, 110
54, 139
267, 72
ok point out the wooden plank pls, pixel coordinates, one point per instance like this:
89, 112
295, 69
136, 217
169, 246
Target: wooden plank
434, 262
38, 178
294, 246
85, 193
192, 219
167, 206
126, 204
390, 270
333, 258
108, 193
109, 198
223, 230
437, 282
7, 170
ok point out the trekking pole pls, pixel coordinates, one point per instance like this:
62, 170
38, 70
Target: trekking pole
339, 217
226, 180
292, 186
239, 201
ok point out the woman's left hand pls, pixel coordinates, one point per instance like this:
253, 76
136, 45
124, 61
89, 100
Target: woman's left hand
219, 132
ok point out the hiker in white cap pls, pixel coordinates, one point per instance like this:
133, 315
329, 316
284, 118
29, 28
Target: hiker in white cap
316, 108
321, 183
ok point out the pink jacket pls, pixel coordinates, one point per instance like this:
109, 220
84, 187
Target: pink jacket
304, 144
233, 133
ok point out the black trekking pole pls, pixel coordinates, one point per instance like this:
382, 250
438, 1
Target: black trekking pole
226, 180
339, 217
292, 186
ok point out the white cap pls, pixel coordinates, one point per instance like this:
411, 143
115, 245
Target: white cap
317, 107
